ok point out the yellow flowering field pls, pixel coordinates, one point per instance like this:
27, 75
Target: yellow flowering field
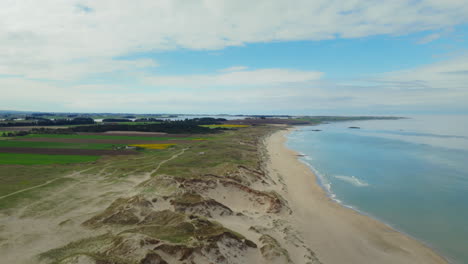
152, 146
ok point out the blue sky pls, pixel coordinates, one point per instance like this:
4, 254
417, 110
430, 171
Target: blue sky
267, 57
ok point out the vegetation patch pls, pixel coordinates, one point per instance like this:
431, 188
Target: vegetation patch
188, 198
73, 136
41, 159
137, 123
89, 246
152, 146
62, 145
272, 250
225, 126
179, 233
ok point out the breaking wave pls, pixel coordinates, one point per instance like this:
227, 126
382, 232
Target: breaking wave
353, 180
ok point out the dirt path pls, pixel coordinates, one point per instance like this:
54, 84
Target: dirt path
30, 188
40, 185
55, 219
169, 159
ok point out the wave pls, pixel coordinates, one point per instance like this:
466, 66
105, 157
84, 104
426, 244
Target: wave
322, 181
353, 180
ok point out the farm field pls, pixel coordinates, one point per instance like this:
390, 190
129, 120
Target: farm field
153, 146
58, 151
100, 136
39, 149
139, 134
225, 126
106, 141
33, 144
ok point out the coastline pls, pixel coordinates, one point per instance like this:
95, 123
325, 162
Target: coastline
336, 233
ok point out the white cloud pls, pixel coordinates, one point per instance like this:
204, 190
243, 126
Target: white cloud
448, 74
68, 40
429, 38
238, 78
440, 86
234, 68
49, 34
71, 70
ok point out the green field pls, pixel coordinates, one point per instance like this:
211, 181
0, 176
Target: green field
40, 159
225, 126
26, 144
138, 123
102, 137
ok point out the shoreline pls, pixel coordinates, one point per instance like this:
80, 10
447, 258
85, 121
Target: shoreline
337, 233
330, 196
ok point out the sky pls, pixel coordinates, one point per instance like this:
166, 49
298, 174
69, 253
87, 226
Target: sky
301, 57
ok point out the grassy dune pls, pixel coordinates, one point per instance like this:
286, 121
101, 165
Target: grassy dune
39, 159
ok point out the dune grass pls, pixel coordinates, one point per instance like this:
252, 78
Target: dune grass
41, 159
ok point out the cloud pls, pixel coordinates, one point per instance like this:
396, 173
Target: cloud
434, 36
70, 40
234, 68
236, 78
440, 86
429, 38
445, 75
70, 70
50, 34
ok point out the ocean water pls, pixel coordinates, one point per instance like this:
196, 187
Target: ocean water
411, 174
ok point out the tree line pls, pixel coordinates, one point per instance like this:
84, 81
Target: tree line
34, 121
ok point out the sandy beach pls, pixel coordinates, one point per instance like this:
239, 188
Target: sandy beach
335, 233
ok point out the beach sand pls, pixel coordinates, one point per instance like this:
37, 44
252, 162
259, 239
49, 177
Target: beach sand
335, 233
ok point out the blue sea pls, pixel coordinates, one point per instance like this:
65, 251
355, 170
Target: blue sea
410, 173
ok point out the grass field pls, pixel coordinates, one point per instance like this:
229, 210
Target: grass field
26, 144
38, 159
24, 152
138, 123
103, 137
224, 126
153, 146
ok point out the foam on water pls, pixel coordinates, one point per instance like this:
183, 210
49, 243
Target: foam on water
353, 180
322, 181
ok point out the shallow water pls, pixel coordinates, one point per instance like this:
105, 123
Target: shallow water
410, 173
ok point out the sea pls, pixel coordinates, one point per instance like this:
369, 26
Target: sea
411, 174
